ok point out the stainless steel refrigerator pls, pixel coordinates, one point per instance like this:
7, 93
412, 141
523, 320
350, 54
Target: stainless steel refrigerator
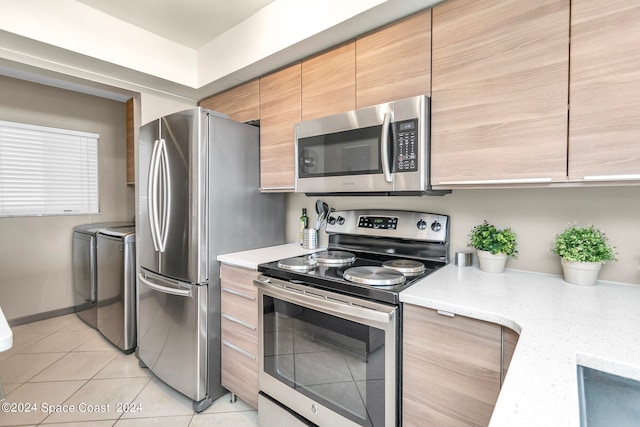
198, 196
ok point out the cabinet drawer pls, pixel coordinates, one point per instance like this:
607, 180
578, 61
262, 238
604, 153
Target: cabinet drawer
239, 308
240, 335
239, 280
240, 373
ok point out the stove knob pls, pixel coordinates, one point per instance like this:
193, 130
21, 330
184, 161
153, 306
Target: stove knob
331, 220
422, 224
340, 220
436, 226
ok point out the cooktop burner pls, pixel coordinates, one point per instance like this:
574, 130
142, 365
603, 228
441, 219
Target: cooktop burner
334, 258
371, 254
303, 264
374, 276
408, 267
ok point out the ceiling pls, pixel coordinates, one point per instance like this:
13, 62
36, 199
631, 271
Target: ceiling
191, 23
180, 50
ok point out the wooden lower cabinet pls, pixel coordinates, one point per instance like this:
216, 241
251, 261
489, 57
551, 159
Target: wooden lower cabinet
451, 369
239, 310
509, 342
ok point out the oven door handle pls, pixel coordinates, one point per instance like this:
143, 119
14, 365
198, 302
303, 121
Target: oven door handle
335, 307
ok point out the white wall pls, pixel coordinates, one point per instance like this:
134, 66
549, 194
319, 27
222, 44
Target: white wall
35, 252
153, 107
73, 39
536, 215
76, 27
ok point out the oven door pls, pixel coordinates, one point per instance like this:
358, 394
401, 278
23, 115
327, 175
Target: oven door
330, 358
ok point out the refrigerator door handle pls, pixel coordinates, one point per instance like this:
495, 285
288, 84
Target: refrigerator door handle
164, 289
152, 194
166, 196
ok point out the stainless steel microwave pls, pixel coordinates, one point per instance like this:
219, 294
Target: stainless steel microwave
383, 149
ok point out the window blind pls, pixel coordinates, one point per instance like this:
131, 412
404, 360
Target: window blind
47, 171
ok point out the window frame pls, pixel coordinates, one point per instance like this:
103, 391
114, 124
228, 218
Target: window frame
48, 164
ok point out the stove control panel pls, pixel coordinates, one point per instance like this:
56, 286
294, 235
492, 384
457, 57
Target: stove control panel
389, 223
383, 222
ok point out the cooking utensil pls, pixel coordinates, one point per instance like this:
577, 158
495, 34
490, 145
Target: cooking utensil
320, 211
326, 210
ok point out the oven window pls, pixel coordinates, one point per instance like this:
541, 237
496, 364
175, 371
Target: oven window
354, 152
336, 362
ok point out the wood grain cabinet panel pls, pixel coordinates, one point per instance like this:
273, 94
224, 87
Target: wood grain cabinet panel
329, 82
239, 332
240, 374
394, 62
604, 115
499, 92
130, 141
280, 109
509, 342
451, 369
241, 103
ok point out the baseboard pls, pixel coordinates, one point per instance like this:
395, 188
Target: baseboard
40, 316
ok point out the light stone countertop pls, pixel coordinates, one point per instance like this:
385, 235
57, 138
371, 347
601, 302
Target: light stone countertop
250, 259
560, 325
6, 335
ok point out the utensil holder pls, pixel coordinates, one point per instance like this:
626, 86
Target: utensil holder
309, 238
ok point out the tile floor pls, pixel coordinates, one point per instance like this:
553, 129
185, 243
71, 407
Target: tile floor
62, 363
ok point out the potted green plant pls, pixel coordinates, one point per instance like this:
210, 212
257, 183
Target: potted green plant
582, 252
493, 245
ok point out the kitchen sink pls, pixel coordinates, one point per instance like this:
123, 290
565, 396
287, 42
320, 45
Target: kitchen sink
607, 399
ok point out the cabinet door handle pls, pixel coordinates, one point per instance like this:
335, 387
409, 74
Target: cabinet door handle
240, 294
498, 181
239, 322
275, 189
239, 350
622, 177
445, 313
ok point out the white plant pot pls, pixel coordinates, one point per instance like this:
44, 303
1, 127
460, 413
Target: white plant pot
581, 273
491, 263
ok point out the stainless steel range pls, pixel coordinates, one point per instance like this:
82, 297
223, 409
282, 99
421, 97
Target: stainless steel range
330, 322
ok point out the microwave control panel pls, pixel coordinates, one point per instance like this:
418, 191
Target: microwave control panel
406, 146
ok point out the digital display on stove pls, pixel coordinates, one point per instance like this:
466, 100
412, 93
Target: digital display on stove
378, 222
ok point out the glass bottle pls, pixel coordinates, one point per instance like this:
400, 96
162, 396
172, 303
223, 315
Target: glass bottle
303, 223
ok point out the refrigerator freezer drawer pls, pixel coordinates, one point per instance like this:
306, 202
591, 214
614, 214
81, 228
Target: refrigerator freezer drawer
172, 332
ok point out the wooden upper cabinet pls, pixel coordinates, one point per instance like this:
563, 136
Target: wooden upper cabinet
451, 369
279, 111
604, 115
394, 62
499, 92
241, 103
329, 82
130, 142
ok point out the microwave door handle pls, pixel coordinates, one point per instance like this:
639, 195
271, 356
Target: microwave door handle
384, 148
